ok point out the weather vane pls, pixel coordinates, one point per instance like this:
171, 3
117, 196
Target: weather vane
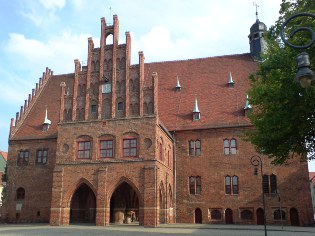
256, 5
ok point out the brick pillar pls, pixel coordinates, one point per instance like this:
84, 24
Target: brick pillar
150, 211
114, 72
88, 79
101, 199
59, 214
128, 52
155, 92
62, 101
141, 81
77, 67
102, 56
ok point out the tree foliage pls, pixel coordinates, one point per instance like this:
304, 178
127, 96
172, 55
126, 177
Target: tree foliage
284, 113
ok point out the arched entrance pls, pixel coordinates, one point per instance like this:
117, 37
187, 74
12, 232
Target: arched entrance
124, 205
260, 216
228, 216
198, 216
162, 206
83, 205
294, 217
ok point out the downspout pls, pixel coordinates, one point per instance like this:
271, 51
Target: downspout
175, 180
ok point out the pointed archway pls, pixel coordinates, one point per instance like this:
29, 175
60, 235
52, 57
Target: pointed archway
162, 204
260, 216
294, 217
83, 205
124, 205
198, 216
228, 216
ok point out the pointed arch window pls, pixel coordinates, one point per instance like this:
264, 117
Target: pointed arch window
273, 183
195, 185
230, 146
231, 185
23, 157
41, 156
194, 148
265, 182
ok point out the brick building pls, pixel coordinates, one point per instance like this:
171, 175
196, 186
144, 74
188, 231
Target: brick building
151, 143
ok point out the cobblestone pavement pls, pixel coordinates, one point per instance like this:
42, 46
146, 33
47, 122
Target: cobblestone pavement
135, 230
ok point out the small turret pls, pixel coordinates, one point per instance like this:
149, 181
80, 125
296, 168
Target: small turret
256, 38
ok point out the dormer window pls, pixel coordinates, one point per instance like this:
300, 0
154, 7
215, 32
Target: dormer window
106, 85
196, 112
247, 107
231, 82
47, 122
178, 87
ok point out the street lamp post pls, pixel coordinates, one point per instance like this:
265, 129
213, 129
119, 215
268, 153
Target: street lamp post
256, 161
304, 75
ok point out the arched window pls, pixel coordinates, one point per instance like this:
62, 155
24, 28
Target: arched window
195, 185
273, 183
230, 146
231, 185
20, 194
277, 214
265, 183
247, 215
235, 184
226, 144
194, 148
228, 185
215, 214
233, 146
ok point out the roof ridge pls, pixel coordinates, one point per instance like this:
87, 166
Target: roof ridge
198, 58
29, 103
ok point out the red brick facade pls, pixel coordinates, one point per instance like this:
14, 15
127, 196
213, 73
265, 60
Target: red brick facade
122, 146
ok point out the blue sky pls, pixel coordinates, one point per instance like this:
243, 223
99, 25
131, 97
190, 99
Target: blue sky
36, 34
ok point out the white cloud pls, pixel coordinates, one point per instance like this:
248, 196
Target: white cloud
44, 13
58, 53
52, 4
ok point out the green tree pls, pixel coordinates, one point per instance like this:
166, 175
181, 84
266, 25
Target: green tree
284, 113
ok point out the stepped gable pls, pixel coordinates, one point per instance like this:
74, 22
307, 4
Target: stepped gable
29, 121
207, 80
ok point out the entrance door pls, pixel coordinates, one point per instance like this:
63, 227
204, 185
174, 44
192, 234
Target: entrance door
124, 205
83, 205
294, 217
228, 216
260, 216
198, 216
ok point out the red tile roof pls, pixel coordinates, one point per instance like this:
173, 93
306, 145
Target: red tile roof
205, 78
50, 97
